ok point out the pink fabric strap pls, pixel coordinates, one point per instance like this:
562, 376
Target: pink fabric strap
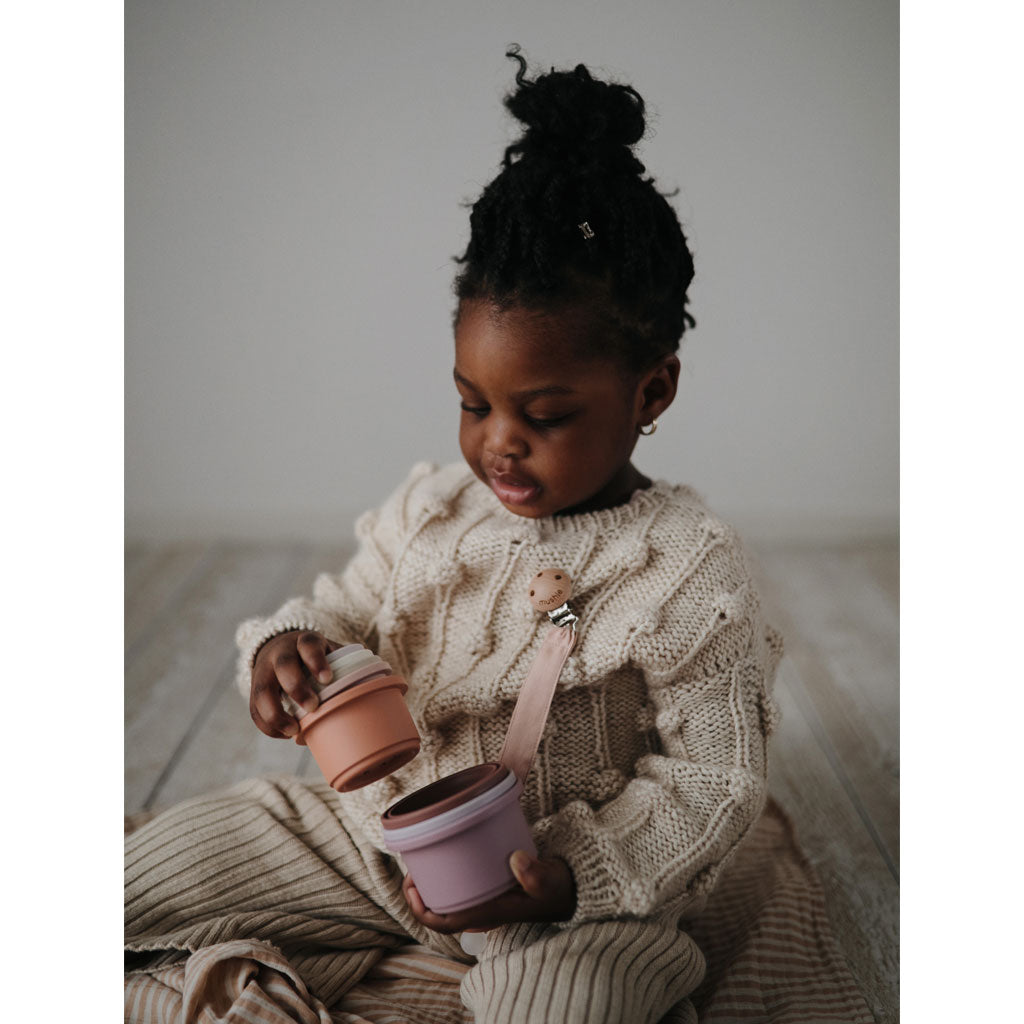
531, 710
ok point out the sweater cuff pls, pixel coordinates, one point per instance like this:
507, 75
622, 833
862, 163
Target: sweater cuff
603, 886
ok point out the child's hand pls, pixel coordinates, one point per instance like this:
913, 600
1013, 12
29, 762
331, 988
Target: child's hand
281, 665
547, 893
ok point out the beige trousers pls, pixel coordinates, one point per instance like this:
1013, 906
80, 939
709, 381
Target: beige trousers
272, 859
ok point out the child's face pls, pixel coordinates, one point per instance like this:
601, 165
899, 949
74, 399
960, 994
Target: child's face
547, 431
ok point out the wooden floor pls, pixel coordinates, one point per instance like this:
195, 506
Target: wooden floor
835, 761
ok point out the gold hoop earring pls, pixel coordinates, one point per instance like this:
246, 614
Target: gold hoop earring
653, 425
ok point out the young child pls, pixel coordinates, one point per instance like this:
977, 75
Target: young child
571, 305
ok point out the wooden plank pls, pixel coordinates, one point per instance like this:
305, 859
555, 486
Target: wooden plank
156, 578
225, 746
841, 632
861, 894
170, 681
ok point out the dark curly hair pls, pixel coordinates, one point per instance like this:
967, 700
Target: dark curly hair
574, 165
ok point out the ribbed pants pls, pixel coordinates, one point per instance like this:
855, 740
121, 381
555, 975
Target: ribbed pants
273, 859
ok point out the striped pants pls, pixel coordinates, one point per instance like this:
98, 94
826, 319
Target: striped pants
272, 859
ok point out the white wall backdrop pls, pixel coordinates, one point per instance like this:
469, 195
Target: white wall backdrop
294, 179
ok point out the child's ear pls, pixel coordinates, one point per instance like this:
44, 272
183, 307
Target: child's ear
657, 389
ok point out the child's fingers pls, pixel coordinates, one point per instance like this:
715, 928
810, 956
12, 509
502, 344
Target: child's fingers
538, 878
267, 730
548, 882
313, 649
437, 922
266, 711
505, 909
290, 670
501, 910
417, 906
412, 894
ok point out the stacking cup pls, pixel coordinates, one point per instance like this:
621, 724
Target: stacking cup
362, 729
457, 834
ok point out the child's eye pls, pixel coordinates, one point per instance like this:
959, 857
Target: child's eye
476, 410
546, 422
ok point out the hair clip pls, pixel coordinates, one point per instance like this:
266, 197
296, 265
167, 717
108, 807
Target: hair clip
588, 231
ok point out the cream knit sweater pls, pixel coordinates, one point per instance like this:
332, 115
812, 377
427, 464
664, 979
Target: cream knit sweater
652, 766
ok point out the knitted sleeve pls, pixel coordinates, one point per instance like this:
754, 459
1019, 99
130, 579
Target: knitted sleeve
343, 606
662, 841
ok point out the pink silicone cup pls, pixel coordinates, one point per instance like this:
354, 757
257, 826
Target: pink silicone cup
465, 862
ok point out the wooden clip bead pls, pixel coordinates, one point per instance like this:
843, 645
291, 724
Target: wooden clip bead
550, 591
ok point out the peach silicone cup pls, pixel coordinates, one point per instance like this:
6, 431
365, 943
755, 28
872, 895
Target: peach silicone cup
457, 834
362, 730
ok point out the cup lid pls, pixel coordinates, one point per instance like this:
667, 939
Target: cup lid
444, 794
341, 652
377, 667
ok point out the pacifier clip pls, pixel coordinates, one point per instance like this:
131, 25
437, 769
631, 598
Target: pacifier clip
550, 591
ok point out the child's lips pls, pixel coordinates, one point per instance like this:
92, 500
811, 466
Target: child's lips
513, 490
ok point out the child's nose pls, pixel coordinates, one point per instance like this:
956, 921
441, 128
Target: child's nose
505, 440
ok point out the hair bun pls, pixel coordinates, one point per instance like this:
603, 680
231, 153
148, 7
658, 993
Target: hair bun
569, 115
